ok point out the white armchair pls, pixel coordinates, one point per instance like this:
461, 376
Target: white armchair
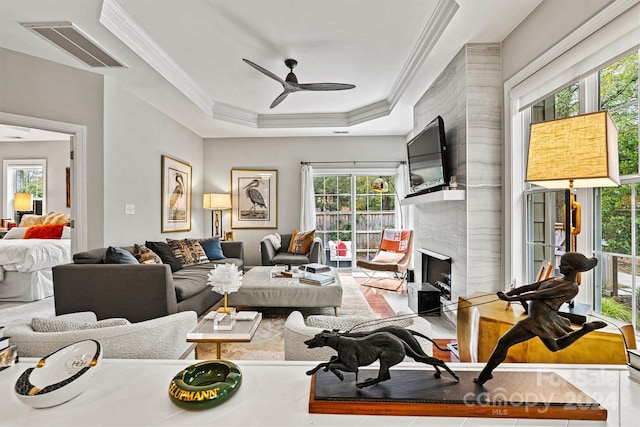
297, 331
160, 338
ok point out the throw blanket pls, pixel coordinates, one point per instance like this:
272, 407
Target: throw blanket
395, 241
27, 255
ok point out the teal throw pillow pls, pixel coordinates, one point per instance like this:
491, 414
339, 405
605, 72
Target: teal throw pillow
212, 248
119, 256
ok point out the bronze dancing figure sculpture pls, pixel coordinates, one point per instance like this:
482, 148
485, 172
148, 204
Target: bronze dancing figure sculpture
543, 321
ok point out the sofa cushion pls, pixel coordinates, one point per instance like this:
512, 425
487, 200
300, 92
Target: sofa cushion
357, 323
44, 231
191, 280
144, 255
165, 253
188, 251
301, 242
51, 324
212, 248
94, 256
119, 256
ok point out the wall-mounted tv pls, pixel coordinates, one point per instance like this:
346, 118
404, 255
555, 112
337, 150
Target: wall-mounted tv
427, 159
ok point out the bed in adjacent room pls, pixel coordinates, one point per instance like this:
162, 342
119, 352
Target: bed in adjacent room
25, 263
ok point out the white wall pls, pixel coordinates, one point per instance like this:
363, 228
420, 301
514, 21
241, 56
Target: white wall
285, 155
136, 136
57, 155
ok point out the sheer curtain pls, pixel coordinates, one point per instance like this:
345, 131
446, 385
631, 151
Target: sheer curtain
307, 201
403, 219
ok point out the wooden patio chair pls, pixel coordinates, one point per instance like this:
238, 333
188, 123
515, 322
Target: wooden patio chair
393, 256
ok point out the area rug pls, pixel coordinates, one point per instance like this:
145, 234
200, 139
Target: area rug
268, 341
19, 312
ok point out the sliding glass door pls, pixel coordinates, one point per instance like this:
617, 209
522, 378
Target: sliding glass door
350, 216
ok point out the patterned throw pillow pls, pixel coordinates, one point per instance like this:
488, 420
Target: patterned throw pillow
28, 220
44, 324
301, 242
188, 251
57, 218
144, 255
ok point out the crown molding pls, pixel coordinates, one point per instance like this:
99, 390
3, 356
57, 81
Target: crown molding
442, 16
116, 20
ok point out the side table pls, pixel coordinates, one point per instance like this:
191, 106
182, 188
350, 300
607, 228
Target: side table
424, 299
243, 331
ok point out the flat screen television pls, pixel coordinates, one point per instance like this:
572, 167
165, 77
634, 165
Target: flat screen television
427, 159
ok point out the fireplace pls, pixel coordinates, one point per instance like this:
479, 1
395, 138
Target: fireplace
436, 270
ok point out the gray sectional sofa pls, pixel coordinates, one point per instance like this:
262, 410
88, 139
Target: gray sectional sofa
136, 292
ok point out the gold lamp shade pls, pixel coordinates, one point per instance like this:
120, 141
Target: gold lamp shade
379, 185
22, 202
217, 201
578, 151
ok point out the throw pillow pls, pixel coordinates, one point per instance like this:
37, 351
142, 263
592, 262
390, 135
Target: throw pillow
357, 323
28, 220
119, 256
275, 240
301, 242
165, 253
144, 255
342, 248
44, 324
213, 248
50, 231
188, 251
395, 240
15, 233
57, 218
384, 257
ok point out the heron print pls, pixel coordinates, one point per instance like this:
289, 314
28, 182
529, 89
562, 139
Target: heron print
178, 199
253, 196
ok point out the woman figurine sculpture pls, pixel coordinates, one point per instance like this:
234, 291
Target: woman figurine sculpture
543, 321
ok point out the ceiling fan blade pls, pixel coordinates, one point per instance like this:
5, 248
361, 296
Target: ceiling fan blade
325, 86
280, 98
264, 71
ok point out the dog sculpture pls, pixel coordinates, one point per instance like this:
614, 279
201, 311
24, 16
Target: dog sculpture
389, 345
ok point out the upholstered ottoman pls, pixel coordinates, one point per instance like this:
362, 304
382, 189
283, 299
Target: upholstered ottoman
259, 289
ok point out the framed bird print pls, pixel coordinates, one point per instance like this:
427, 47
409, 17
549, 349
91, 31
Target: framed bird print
176, 195
254, 198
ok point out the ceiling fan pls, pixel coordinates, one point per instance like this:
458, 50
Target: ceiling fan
290, 84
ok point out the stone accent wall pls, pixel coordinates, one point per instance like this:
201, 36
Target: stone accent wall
468, 96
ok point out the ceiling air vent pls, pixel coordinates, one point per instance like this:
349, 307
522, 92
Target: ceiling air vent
71, 39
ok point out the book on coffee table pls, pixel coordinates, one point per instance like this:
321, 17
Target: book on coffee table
316, 268
317, 279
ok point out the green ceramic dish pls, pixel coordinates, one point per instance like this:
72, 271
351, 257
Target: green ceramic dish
205, 384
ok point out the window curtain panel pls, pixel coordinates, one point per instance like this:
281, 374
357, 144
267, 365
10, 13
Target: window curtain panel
402, 212
307, 200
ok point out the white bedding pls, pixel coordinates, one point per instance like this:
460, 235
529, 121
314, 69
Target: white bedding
28, 255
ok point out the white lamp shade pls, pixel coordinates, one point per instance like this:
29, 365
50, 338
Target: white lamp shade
578, 151
22, 202
216, 201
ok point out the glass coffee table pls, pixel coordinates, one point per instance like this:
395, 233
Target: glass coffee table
242, 331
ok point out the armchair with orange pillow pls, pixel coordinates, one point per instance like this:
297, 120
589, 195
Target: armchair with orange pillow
297, 248
393, 256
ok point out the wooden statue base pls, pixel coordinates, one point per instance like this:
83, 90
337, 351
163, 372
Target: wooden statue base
419, 393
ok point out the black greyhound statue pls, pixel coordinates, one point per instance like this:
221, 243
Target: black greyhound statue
389, 345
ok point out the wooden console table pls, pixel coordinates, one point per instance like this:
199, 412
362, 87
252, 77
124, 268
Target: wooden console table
482, 319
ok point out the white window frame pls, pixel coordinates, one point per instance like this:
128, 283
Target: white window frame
8, 167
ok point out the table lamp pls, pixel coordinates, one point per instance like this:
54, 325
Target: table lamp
22, 202
217, 202
574, 152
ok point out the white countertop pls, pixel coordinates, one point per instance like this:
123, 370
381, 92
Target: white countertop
135, 393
